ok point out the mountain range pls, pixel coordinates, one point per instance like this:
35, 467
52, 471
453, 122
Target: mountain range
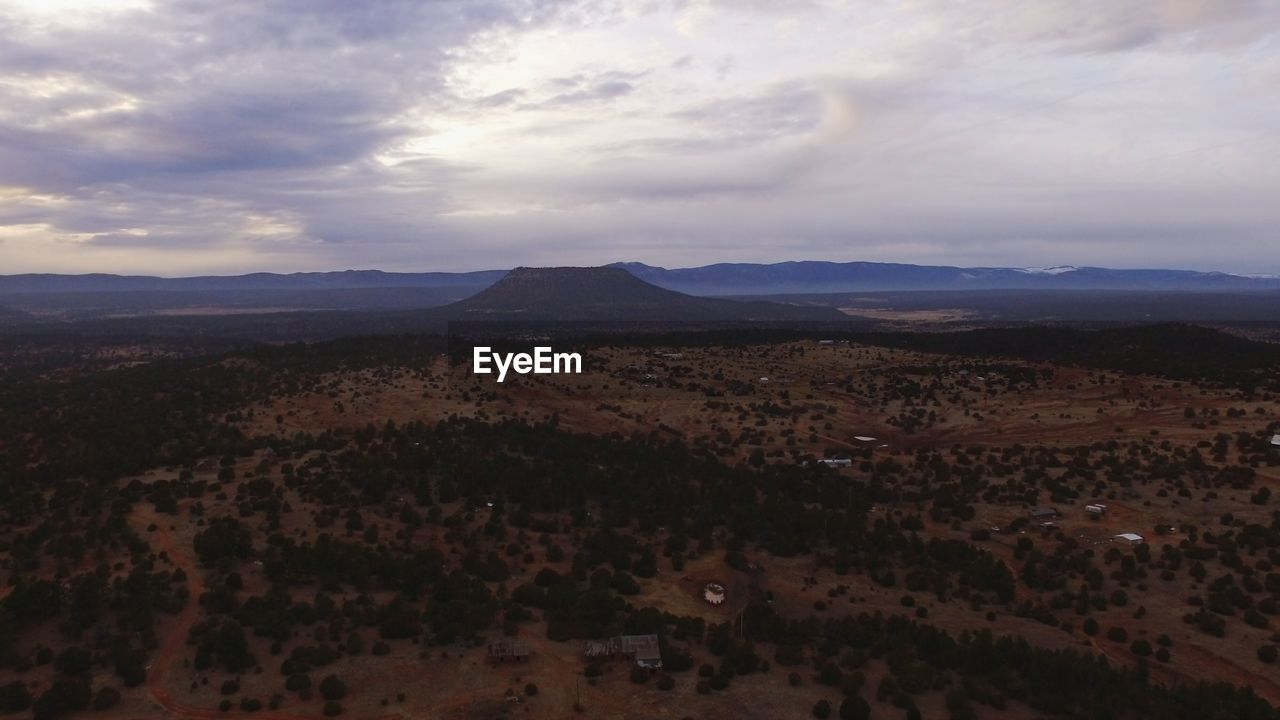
709, 280
830, 277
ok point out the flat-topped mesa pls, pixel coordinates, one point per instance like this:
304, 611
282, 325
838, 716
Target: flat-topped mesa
609, 293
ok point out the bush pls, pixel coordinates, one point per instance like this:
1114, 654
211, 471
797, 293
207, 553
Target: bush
380, 648
530, 689
666, 682
1267, 653
855, 707
331, 688
332, 708
822, 709
639, 675
1117, 634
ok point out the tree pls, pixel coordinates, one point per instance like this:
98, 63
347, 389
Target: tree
224, 538
331, 688
855, 707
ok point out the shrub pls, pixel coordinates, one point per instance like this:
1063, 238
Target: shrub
332, 708
855, 707
822, 709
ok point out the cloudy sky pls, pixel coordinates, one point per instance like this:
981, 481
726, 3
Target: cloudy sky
224, 136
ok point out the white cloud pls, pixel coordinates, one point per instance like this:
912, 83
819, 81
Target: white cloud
215, 135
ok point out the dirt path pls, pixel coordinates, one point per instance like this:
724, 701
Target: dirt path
171, 649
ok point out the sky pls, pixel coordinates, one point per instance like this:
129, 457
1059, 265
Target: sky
229, 136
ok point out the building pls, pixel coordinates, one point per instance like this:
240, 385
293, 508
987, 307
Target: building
836, 462
1129, 538
642, 649
509, 649
1096, 510
1275, 441
1043, 512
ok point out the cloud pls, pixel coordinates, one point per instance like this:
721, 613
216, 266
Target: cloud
239, 135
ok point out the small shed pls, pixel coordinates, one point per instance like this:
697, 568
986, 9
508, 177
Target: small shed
1129, 538
1096, 509
509, 649
1043, 512
836, 462
1275, 441
642, 649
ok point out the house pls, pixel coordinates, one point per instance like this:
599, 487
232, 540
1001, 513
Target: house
1096, 510
836, 462
1043, 512
1275, 441
509, 649
1129, 538
642, 649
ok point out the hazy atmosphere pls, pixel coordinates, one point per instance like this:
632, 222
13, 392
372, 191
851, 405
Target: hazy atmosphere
220, 136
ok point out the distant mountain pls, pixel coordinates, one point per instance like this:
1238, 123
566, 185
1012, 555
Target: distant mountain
51, 298
344, 280
831, 277
611, 294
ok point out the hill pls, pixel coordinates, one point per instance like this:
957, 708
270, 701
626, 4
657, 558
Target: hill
611, 294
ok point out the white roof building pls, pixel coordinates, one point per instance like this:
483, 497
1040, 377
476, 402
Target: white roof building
1275, 441
1131, 538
